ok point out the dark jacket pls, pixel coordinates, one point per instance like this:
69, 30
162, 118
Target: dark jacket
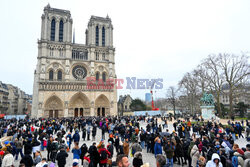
61, 158
27, 160
76, 137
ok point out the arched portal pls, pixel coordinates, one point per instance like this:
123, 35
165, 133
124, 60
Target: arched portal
79, 105
53, 107
102, 106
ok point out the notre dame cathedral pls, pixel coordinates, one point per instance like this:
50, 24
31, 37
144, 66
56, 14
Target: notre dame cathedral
63, 68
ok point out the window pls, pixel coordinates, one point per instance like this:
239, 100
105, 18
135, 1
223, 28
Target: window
96, 56
59, 75
61, 31
97, 36
97, 76
51, 75
104, 77
51, 52
103, 57
52, 30
103, 36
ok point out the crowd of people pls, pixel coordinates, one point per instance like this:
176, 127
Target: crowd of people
193, 144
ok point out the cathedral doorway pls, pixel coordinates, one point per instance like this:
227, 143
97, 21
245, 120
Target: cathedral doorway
79, 105
102, 106
53, 107
101, 111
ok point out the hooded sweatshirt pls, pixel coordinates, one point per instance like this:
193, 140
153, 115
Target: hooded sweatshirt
211, 163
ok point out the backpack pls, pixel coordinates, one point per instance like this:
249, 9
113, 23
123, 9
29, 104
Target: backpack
53, 146
235, 161
103, 155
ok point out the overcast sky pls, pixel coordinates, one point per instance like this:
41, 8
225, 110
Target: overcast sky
153, 39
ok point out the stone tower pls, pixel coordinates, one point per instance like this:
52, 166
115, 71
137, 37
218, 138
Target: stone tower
64, 68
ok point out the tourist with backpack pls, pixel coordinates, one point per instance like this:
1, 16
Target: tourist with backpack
104, 154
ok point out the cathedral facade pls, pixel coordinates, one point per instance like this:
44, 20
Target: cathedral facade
73, 80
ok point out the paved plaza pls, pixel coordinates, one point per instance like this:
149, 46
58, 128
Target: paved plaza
147, 157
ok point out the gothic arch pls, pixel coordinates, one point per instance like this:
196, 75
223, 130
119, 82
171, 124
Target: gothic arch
102, 106
79, 105
53, 102
53, 107
79, 100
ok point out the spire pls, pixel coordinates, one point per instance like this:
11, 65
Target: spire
74, 36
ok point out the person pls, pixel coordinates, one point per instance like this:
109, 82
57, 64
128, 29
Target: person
76, 137
61, 157
136, 147
126, 147
76, 152
247, 156
215, 161
8, 159
137, 161
69, 139
194, 154
43, 163
94, 155
38, 157
122, 161
84, 150
19, 147
169, 150
158, 148
160, 161
27, 160
104, 154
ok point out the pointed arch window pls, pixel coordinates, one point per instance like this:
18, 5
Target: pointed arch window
61, 31
59, 75
104, 77
97, 76
51, 75
103, 36
97, 36
53, 30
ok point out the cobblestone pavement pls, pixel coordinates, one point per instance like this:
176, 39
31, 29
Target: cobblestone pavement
147, 157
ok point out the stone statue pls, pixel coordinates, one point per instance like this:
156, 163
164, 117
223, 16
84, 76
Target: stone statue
207, 99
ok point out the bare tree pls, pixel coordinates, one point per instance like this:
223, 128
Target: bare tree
236, 70
191, 89
172, 96
214, 75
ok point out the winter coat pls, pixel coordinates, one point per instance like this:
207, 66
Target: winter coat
61, 158
137, 161
194, 154
27, 160
158, 149
211, 162
104, 161
76, 137
37, 160
169, 150
135, 148
76, 153
240, 159
8, 160
126, 148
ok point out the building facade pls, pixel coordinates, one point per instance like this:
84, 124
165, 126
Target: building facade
4, 102
124, 104
65, 69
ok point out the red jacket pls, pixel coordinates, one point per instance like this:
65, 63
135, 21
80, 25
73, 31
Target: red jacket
108, 155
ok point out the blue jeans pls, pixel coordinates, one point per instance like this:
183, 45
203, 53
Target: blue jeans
18, 150
42, 147
170, 162
233, 136
142, 144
